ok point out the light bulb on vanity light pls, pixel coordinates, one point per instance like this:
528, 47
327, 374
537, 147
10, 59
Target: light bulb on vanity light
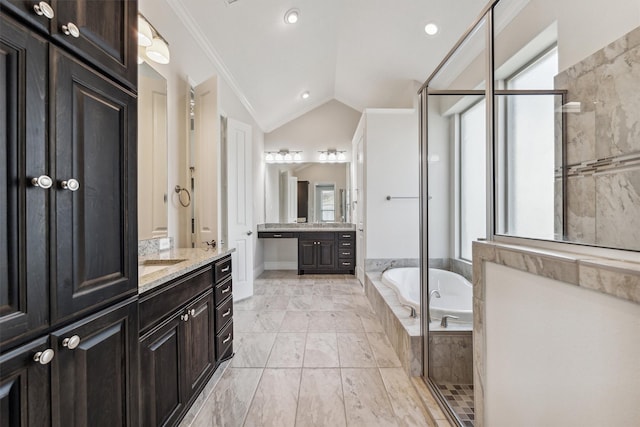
332, 156
279, 157
288, 158
269, 157
159, 51
323, 156
145, 36
297, 157
341, 156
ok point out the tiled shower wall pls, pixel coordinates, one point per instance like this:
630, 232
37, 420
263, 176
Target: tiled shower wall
603, 146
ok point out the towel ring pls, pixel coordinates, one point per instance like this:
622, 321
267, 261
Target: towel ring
179, 190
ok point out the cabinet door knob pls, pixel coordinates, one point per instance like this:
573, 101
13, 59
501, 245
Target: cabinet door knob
44, 357
192, 312
226, 313
184, 317
71, 29
71, 342
70, 184
43, 181
43, 9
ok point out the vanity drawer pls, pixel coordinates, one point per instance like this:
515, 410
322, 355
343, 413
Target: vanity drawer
224, 313
346, 235
224, 342
345, 253
319, 235
346, 264
223, 290
222, 269
275, 235
345, 244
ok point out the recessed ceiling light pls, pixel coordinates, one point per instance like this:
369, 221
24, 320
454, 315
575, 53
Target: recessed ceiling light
305, 95
292, 15
431, 29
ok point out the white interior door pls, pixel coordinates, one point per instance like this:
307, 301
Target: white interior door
206, 162
239, 202
360, 225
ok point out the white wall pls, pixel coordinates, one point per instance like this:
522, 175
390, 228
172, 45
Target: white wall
557, 354
392, 169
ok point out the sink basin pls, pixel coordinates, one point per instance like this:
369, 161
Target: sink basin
152, 265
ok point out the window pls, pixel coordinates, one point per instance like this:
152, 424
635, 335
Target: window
473, 193
325, 203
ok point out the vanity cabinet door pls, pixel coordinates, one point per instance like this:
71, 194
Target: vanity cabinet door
24, 387
95, 240
24, 208
306, 254
95, 371
200, 356
161, 394
106, 29
26, 11
326, 254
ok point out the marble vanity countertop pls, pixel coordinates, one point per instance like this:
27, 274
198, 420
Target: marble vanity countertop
161, 267
306, 226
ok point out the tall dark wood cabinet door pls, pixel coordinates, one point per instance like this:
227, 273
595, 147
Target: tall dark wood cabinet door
95, 371
326, 255
96, 237
306, 254
200, 355
24, 387
161, 394
105, 29
24, 307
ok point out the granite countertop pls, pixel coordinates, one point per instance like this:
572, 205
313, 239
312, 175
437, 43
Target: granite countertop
306, 226
159, 268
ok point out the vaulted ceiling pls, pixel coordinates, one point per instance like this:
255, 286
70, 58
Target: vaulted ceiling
364, 53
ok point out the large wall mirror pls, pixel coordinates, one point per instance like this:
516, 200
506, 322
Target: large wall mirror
307, 192
152, 153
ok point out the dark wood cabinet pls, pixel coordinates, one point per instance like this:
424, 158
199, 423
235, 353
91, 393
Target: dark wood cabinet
24, 386
200, 355
95, 383
24, 301
316, 255
95, 144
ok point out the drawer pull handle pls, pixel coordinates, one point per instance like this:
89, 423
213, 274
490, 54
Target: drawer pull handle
277, 235
71, 342
225, 290
346, 263
43, 9
346, 243
44, 357
71, 30
224, 270
227, 339
346, 236
226, 313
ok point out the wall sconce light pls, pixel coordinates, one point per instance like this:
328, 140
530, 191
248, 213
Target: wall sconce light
283, 156
154, 46
333, 156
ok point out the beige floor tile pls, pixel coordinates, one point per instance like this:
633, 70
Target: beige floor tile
295, 321
354, 351
365, 399
384, 354
288, 350
346, 321
405, 401
267, 321
370, 322
252, 349
300, 303
321, 402
229, 402
276, 399
321, 351
243, 321
322, 321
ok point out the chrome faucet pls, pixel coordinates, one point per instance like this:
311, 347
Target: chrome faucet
433, 293
444, 322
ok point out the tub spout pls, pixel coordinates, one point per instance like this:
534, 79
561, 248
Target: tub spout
433, 293
444, 322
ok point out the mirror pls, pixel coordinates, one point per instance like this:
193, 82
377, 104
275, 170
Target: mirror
152, 153
307, 192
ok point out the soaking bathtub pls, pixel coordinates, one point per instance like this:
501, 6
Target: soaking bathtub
456, 292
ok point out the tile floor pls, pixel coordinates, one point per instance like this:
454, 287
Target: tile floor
460, 397
310, 352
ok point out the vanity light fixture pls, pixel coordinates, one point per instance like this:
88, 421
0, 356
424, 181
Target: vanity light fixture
431, 29
333, 156
151, 43
283, 156
291, 16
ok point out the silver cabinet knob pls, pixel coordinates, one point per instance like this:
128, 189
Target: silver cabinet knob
71, 342
44, 357
70, 184
71, 29
184, 317
43, 9
192, 312
43, 181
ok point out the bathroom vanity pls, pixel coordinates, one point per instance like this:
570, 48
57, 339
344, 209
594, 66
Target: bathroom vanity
186, 328
322, 248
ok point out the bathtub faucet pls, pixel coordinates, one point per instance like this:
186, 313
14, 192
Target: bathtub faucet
444, 322
433, 293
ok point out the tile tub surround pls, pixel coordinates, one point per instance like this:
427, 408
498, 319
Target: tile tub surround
193, 259
451, 357
603, 146
613, 277
381, 264
310, 352
403, 330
